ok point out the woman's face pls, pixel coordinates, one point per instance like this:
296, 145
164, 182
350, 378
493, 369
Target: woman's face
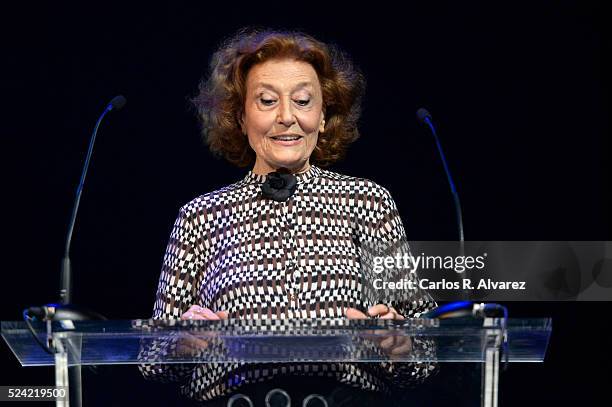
283, 114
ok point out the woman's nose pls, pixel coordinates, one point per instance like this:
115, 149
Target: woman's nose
286, 114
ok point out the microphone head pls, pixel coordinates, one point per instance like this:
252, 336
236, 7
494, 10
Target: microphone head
423, 115
117, 103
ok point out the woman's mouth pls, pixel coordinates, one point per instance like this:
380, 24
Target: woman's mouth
287, 140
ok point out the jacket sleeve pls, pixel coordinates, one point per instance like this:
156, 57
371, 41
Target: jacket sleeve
177, 290
411, 303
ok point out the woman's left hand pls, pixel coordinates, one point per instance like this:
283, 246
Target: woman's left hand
393, 345
381, 311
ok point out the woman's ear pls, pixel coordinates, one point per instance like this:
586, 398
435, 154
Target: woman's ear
322, 124
241, 122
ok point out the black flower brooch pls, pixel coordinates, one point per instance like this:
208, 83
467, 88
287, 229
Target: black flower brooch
279, 186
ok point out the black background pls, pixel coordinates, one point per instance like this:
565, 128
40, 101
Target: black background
519, 91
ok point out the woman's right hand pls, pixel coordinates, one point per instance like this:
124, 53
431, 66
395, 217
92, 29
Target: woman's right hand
190, 344
197, 312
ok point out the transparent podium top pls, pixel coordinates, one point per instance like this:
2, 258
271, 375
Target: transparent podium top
328, 340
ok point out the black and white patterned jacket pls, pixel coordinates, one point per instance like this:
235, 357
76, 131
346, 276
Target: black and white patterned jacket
234, 250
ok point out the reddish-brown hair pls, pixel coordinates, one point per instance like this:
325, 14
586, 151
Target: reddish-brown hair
221, 97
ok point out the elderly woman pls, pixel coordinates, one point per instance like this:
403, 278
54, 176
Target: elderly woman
286, 240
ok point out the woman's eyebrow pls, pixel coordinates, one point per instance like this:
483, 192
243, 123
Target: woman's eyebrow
306, 84
265, 85
301, 85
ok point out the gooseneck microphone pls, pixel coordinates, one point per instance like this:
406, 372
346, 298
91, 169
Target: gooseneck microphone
425, 117
65, 312
117, 103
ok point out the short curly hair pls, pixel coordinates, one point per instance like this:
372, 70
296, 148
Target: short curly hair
221, 97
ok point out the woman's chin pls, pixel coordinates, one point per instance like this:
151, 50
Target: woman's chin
289, 162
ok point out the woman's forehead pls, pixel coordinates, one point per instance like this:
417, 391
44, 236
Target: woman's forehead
287, 75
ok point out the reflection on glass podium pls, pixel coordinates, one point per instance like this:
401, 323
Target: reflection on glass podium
461, 357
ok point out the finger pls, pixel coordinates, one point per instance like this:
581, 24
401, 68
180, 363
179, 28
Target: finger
378, 309
397, 314
207, 314
196, 308
190, 315
222, 314
194, 315
352, 313
389, 315
199, 313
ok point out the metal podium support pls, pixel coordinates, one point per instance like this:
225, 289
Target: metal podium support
61, 371
68, 375
493, 340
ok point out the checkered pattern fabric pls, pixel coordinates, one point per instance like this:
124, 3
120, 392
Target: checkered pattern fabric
234, 250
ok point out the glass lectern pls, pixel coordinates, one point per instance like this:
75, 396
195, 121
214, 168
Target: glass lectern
482, 344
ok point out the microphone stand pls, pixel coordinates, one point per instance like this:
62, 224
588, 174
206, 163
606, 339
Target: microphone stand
450, 183
65, 312
425, 117
66, 276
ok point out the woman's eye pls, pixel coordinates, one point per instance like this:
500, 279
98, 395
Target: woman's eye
267, 102
303, 102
